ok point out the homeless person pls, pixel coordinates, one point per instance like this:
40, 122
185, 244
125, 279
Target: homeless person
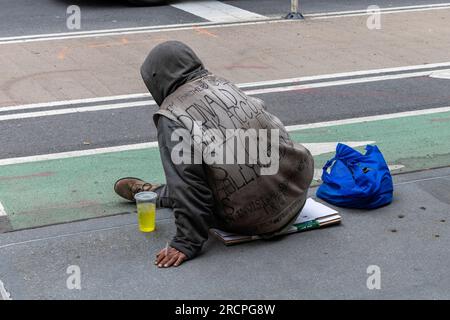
202, 122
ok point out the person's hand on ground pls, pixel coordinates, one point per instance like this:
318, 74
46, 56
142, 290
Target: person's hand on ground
169, 257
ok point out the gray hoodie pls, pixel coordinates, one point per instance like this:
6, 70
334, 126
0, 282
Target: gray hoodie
168, 66
239, 198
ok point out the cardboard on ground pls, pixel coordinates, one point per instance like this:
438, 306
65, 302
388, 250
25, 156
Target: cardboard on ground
313, 215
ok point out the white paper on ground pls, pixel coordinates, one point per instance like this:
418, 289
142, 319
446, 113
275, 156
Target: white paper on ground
314, 210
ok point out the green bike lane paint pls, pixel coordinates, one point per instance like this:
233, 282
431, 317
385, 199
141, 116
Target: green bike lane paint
56, 191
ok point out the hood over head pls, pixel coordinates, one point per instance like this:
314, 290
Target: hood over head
168, 66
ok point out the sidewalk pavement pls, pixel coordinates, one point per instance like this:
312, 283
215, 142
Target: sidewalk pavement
408, 240
92, 67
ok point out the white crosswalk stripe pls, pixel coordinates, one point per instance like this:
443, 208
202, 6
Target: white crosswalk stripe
217, 11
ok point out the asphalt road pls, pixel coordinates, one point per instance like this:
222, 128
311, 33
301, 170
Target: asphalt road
28, 17
60, 133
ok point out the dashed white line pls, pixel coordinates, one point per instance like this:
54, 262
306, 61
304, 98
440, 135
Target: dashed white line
80, 153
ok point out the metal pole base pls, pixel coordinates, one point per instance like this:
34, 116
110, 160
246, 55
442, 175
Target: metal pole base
295, 15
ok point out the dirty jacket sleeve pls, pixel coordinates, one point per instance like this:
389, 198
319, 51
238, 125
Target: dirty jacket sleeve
191, 197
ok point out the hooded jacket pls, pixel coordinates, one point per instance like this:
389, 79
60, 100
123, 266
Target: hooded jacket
168, 66
246, 201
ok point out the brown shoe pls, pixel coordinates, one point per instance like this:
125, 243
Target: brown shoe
128, 187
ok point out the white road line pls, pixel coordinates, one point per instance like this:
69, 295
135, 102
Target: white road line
216, 11
394, 167
95, 33
108, 32
74, 101
346, 74
80, 153
441, 74
367, 119
206, 25
127, 31
3, 293
241, 85
336, 83
387, 10
382, 12
2, 210
37, 114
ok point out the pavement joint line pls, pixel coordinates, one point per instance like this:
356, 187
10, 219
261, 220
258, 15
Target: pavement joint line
420, 180
434, 66
154, 144
72, 234
216, 11
3, 293
206, 25
278, 89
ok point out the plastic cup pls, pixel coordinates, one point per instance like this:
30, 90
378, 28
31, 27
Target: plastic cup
146, 210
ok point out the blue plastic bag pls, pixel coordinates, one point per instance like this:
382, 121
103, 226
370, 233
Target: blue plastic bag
356, 180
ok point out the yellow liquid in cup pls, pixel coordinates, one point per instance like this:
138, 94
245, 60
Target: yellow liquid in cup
146, 216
